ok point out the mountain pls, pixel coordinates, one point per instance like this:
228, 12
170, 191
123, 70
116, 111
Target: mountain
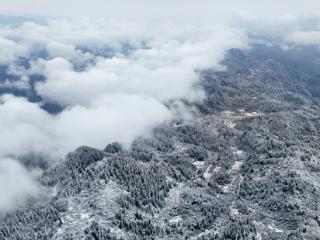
246, 166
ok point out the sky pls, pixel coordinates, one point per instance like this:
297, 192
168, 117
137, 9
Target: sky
118, 69
165, 10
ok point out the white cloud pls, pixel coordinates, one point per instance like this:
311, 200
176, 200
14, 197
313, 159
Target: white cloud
118, 98
16, 184
165, 71
113, 99
270, 28
304, 37
286, 31
10, 50
112, 118
26, 128
57, 49
22, 84
68, 38
160, 68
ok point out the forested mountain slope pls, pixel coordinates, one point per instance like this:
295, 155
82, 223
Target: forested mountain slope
245, 167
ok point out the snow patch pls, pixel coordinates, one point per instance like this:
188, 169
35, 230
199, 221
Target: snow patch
273, 228
207, 175
199, 164
175, 220
236, 166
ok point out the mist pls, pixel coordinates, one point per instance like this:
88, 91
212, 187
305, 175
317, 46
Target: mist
16, 185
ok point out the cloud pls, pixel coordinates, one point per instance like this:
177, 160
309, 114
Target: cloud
58, 49
112, 118
287, 31
116, 81
164, 71
10, 50
26, 128
75, 40
16, 185
268, 28
112, 97
22, 84
304, 37
127, 70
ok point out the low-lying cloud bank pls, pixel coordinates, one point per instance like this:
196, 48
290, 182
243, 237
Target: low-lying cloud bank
26, 128
286, 30
16, 184
114, 81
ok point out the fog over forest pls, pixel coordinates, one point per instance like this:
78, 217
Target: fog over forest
166, 113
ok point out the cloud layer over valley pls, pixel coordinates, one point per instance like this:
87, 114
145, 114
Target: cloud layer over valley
112, 84
65, 83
